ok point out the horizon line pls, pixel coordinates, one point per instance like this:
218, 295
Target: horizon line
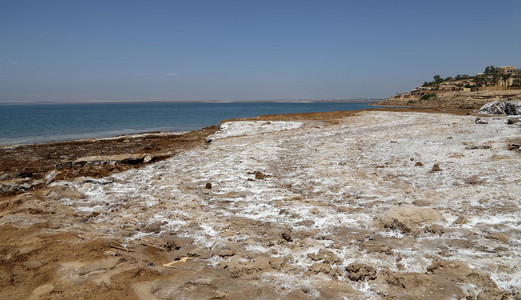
49, 102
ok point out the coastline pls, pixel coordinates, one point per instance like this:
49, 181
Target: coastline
64, 157
386, 202
27, 124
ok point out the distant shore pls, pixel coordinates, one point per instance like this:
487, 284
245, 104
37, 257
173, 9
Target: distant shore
46, 102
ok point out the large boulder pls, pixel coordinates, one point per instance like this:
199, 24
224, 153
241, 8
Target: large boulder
409, 219
510, 107
513, 107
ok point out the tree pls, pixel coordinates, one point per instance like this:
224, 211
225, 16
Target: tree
479, 79
490, 70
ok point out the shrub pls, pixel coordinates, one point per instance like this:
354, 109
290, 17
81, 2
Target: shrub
427, 97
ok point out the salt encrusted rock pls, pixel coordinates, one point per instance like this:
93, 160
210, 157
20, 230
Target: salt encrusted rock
493, 108
511, 107
409, 219
480, 121
358, 271
49, 177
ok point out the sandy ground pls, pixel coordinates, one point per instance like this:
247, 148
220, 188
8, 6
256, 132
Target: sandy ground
372, 204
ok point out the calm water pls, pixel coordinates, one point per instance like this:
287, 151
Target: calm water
27, 124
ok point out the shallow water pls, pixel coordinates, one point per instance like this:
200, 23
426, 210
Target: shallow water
27, 124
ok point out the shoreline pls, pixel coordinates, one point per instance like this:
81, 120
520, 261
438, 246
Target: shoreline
385, 202
98, 157
90, 121
261, 117
390, 203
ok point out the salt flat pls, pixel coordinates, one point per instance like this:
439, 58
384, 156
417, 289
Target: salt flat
377, 205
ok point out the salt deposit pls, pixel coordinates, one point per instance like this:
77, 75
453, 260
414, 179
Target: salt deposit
325, 186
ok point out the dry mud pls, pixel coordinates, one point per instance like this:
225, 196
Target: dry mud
376, 205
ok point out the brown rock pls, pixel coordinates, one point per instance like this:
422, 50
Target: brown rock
321, 268
286, 236
460, 220
358, 271
153, 227
260, 175
436, 168
408, 219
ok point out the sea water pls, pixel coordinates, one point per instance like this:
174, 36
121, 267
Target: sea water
28, 124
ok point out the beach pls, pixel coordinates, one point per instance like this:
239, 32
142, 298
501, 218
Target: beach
375, 204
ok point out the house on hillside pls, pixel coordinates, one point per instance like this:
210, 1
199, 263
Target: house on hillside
508, 70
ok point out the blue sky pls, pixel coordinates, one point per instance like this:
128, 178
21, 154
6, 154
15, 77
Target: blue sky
246, 50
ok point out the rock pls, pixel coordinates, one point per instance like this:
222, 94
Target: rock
514, 147
513, 121
321, 268
498, 237
42, 291
287, 237
493, 108
5, 176
510, 107
458, 271
478, 147
13, 186
409, 219
326, 256
26, 173
153, 227
260, 175
436, 168
461, 220
358, 272
480, 121
208, 186
435, 229
513, 107
49, 177
147, 159
277, 262
474, 180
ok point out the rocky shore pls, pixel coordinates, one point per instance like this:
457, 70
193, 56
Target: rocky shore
454, 100
380, 204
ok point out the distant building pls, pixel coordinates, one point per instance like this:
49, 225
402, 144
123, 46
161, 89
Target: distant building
507, 70
505, 77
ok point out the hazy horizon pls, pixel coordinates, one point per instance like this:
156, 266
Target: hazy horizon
94, 51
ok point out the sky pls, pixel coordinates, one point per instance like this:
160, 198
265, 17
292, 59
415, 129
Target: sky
115, 50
